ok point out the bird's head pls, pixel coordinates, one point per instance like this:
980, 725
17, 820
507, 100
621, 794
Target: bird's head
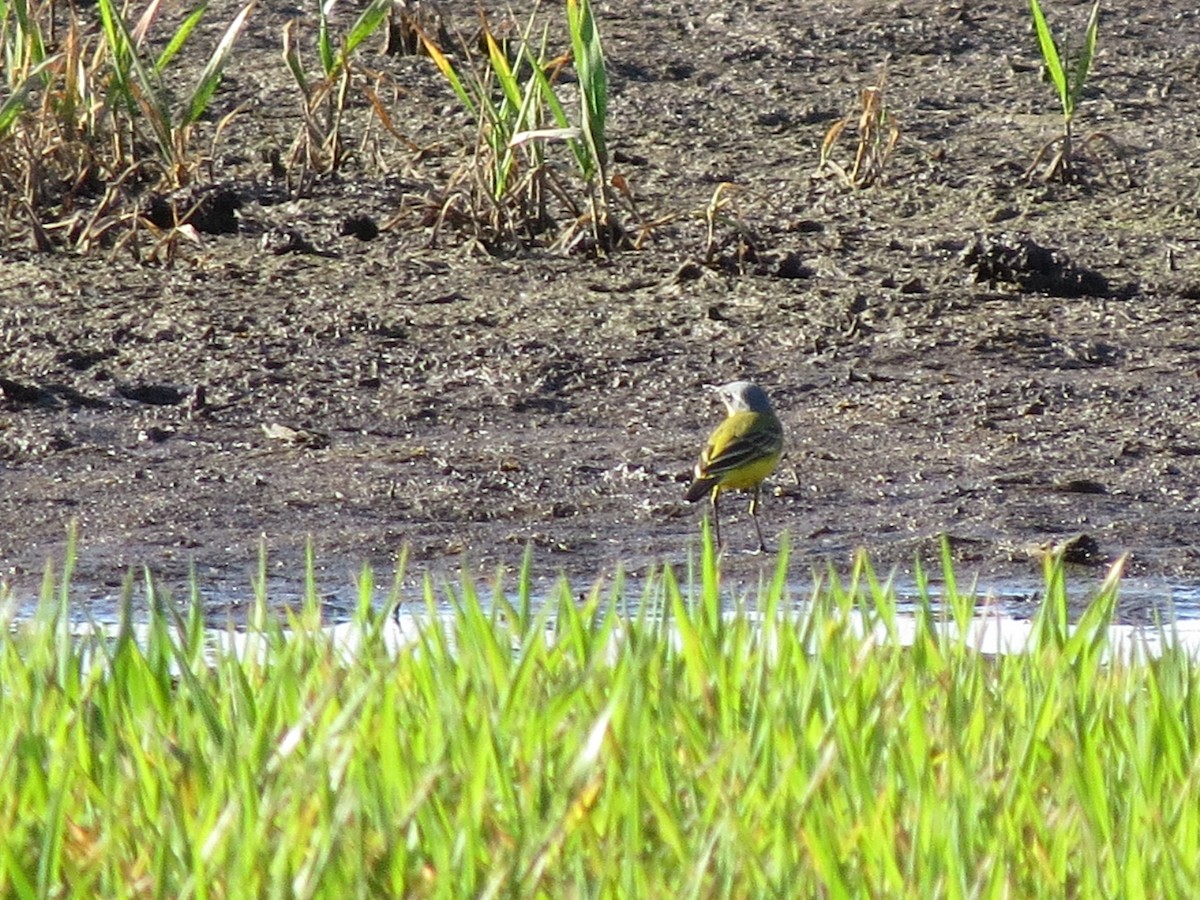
744, 396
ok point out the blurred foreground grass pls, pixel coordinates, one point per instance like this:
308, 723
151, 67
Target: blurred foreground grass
610, 746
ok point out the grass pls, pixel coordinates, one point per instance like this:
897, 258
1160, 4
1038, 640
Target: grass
87, 129
137, 84
1068, 81
877, 133
598, 746
511, 194
319, 146
94, 123
90, 131
102, 121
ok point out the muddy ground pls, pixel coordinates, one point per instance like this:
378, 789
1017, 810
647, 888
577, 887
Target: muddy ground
467, 404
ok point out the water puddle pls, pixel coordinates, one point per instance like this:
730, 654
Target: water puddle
1151, 615
989, 632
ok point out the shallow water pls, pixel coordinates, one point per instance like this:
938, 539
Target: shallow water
1150, 613
1141, 601
989, 631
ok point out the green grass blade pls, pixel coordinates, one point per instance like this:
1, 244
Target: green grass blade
120, 50
1050, 56
1083, 65
179, 38
503, 72
206, 85
593, 79
14, 105
324, 41
50, 857
448, 72
365, 26
1050, 622
580, 150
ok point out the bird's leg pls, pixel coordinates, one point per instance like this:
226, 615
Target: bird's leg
762, 545
717, 515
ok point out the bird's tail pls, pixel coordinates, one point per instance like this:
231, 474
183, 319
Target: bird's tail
701, 487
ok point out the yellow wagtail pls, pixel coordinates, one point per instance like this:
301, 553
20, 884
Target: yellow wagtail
741, 452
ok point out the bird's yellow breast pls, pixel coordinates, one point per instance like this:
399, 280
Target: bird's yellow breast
751, 474
742, 451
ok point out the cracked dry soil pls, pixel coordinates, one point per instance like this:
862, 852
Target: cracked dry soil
953, 350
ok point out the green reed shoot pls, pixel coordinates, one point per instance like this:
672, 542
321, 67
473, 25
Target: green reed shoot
138, 82
1068, 83
82, 115
593, 84
508, 182
588, 55
320, 141
335, 60
513, 96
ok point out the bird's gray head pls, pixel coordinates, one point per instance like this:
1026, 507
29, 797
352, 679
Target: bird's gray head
744, 396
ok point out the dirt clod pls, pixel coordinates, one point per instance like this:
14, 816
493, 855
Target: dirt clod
1018, 260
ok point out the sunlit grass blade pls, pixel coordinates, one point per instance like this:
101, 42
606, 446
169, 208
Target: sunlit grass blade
1083, 65
364, 26
210, 77
503, 72
1089, 635
448, 72
1050, 624
593, 79
179, 38
1051, 57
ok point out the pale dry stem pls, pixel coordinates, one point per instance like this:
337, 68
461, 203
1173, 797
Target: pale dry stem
878, 133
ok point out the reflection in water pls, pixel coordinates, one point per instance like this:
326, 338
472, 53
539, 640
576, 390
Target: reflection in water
1149, 614
990, 631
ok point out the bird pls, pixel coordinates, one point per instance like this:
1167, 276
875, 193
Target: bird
741, 452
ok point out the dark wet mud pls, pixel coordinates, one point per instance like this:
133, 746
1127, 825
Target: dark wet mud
953, 350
